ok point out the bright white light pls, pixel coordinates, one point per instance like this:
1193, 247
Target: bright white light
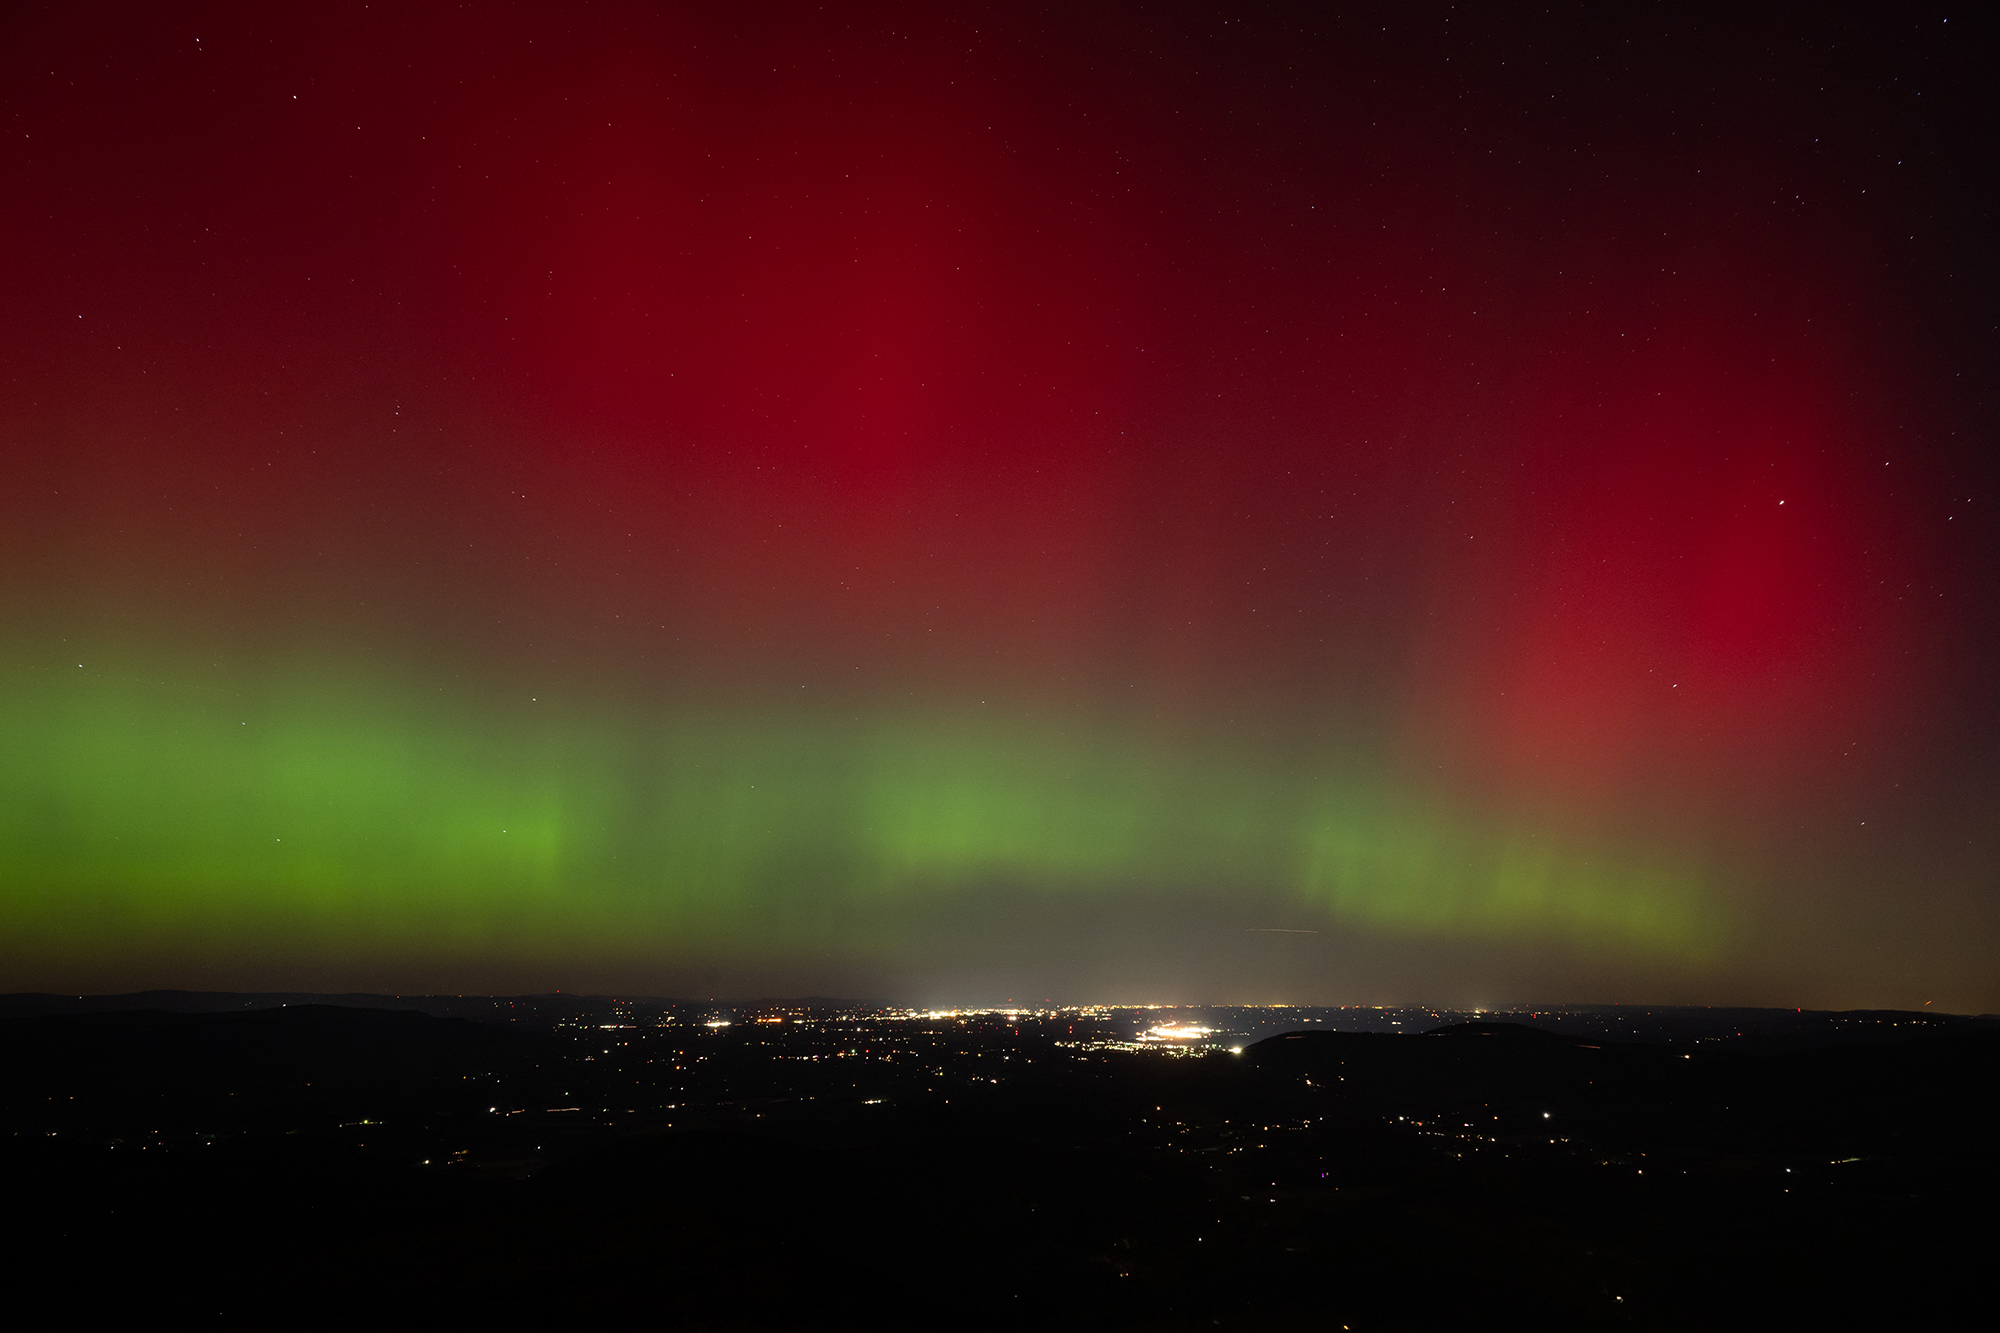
1175, 1032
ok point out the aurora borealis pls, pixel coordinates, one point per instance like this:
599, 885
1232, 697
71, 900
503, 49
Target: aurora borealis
1171, 504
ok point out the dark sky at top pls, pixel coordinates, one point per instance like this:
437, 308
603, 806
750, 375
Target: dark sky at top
1155, 503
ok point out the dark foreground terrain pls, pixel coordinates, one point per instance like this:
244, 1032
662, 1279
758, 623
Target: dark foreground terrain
562, 1162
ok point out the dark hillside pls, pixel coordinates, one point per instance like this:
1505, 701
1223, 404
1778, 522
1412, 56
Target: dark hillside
319, 1167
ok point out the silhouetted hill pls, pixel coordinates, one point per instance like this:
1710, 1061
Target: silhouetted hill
312, 1037
1505, 1065
321, 1166
1925, 1078
517, 1010
147, 1069
1515, 1032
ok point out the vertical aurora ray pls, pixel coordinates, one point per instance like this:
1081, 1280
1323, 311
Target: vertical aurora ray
646, 488
344, 819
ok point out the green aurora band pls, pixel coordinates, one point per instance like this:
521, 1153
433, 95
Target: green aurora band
324, 817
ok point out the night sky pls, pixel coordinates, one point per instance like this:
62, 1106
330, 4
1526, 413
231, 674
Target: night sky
959, 503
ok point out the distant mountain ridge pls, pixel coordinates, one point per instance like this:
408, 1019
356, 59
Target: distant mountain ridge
1670, 1024
541, 1010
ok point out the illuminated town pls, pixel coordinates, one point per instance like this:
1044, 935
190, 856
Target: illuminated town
1128, 1164
1170, 668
